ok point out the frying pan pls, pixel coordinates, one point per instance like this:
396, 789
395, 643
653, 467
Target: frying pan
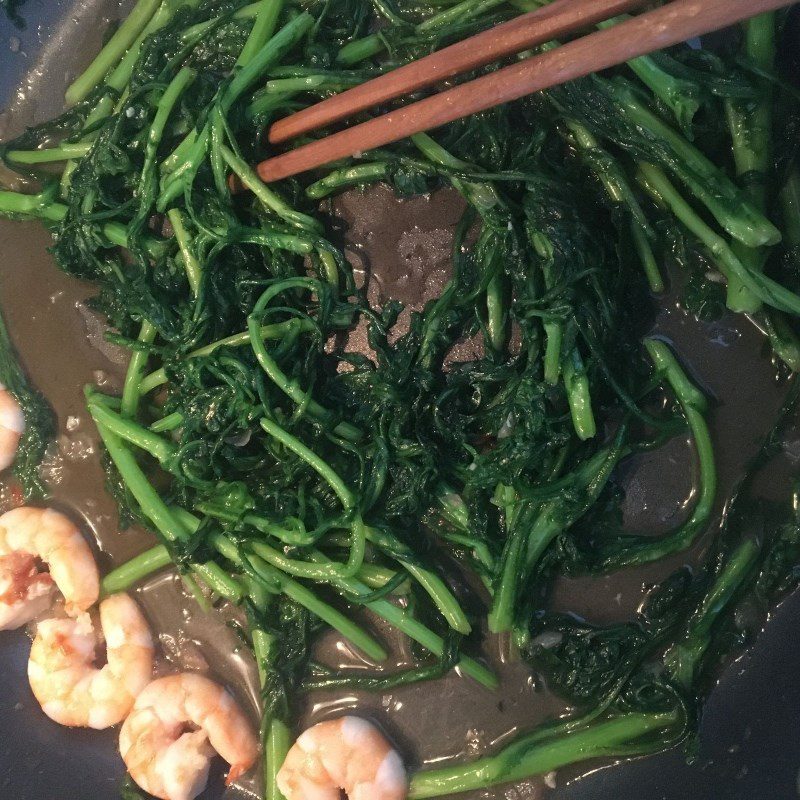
749, 745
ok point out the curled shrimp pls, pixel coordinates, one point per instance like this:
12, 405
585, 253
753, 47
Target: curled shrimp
29, 535
12, 425
176, 724
347, 755
69, 687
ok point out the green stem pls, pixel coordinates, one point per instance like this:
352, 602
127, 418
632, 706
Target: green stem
270, 199
153, 507
276, 731
344, 494
306, 598
644, 549
480, 194
135, 570
262, 31
576, 383
350, 176
619, 190
750, 126
130, 431
114, 50
782, 338
730, 206
664, 193
268, 332
360, 50
646, 257
133, 377
430, 582
790, 208
193, 269
681, 96
39, 206
534, 755
275, 373
187, 157
62, 152
459, 12
415, 630
157, 558
496, 313
685, 655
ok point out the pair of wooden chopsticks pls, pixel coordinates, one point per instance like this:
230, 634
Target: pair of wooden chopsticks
668, 25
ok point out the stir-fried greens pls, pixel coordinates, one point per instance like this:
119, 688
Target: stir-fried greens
306, 478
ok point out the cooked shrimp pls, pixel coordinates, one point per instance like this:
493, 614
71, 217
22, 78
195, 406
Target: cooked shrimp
28, 534
12, 424
24, 591
176, 724
69, 687
347, 755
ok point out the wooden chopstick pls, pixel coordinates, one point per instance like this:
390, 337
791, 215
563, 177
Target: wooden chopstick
514, 36
666, 26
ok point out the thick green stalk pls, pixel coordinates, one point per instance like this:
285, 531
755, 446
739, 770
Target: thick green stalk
277, 581
135, 570
615, 182
157, 558
345, 495
782, 338
62, 152
194, 273
430, 582
160, 448
306, 570
460, 12
369, 46
480, 194
341, 490
534, 527
646, 257
118, 79
576, 383
133, 377
730, 206
153, 507
790, 207
361, 49
534, 754
270, 199
693, 403
276, 731
185, 160
678, 94
166, 424
40, 206
656, 183
750, 125
115, 49
360, 175
262, 31
496, 313
685, 655
404, 622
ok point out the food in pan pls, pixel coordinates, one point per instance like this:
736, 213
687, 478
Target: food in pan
301, 447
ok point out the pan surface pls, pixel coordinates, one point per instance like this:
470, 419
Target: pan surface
749, 747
